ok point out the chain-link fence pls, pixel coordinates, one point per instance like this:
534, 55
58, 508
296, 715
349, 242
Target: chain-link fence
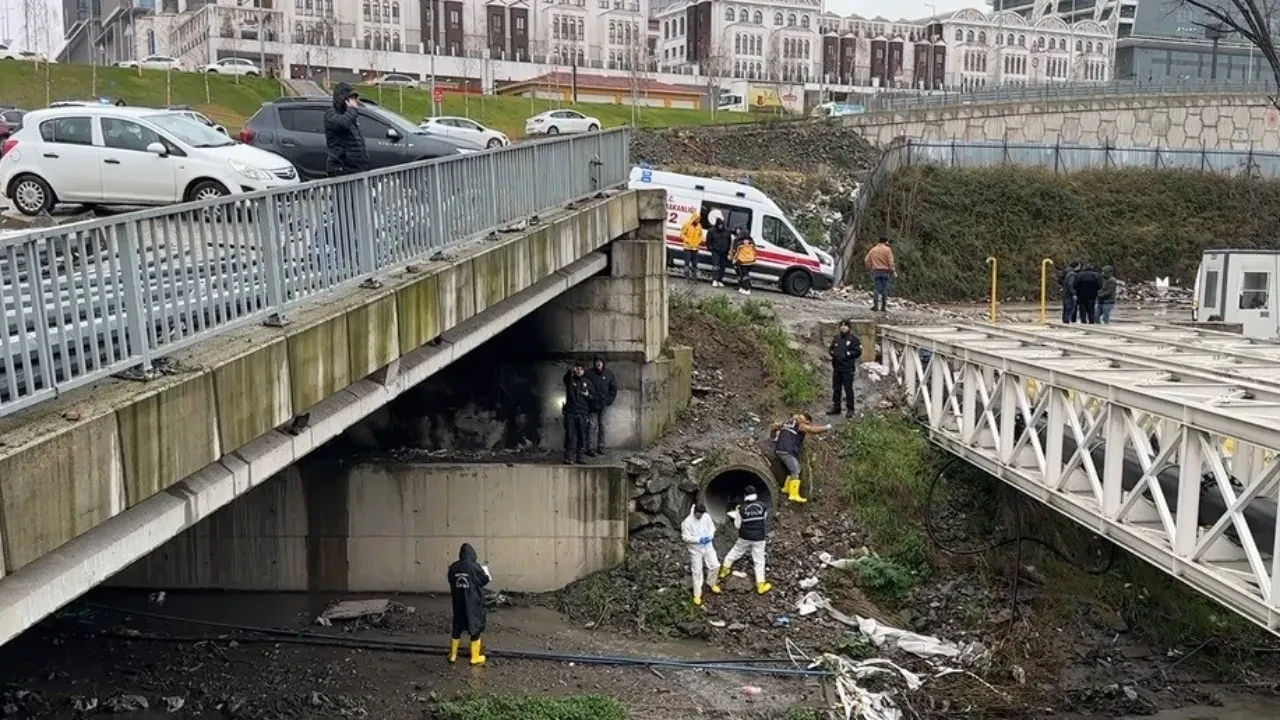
1057, 157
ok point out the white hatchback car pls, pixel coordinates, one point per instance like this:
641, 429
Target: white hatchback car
154, 62
463, 130
104, 155
233, 66
560, 122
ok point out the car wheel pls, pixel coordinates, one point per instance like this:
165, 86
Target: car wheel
212, 71
797, 283
32, 195
553, 130
252, 74
206, 190
593, 127
494, 143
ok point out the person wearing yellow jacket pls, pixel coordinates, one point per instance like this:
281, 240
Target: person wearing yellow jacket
744, 259
691, 235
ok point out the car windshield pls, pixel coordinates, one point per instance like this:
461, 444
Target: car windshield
189, 131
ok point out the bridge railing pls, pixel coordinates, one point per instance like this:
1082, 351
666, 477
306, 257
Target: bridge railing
90, 299
890, 101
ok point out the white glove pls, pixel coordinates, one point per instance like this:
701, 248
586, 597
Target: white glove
828, 426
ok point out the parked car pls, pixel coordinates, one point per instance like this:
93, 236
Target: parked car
560, 122
191, 114
395, 79
101, 154
154, 62
232, 66
462, 129
8, 53
294, 128
10, 123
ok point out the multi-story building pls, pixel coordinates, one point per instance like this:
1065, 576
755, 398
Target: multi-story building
1158, 41
775, 39
1005, 48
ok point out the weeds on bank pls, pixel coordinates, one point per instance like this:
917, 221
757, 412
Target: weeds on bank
887, 467
796, 379
583, 707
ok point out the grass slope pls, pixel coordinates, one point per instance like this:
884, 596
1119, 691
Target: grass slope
945, 222
231, 102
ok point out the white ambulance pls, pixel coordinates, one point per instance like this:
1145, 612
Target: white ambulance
782, 255
1239, 286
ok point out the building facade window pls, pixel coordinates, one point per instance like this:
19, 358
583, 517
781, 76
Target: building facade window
777, 19
742, 16
758, 18
728, 14
804, 22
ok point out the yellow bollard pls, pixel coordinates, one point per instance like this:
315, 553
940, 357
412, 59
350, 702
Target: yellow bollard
1045, 264
995, 286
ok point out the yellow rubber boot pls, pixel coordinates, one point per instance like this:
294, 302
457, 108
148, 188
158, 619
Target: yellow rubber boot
762, 588
453, 650
715, 589
697, 600
795, 492
476, 657
724, 572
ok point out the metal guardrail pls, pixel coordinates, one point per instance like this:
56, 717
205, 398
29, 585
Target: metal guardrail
889, 101
91, 299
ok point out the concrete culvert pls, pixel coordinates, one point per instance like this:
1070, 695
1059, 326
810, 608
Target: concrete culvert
724, 483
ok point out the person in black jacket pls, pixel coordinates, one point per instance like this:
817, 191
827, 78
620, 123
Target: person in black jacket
1067, 280
719, 242
845, 351
752, 519
467, 579
604, 386
1086, 286
342, 137
577, 403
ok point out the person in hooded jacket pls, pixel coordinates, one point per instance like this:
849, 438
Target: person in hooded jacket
1107, 294
467, 578
691, 237
342, 138
1087, 284
604, 390
697, 531
752, 521
1068, 282
577, 403
845, 351
719, 242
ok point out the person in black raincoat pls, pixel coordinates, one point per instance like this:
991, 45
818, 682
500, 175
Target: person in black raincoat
342, 138
467, 578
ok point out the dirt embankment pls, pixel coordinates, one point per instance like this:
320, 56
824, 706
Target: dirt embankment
1090, 632
810, 169
945, 222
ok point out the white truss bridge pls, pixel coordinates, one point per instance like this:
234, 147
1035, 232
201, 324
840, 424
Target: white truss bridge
1162, 439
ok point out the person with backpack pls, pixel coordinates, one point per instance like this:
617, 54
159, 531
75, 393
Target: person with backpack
744, 259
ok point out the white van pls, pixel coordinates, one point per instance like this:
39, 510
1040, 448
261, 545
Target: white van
782, 255
1239, 286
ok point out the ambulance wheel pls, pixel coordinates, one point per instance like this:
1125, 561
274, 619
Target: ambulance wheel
797, 282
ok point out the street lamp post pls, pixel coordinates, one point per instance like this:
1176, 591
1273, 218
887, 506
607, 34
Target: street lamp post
1214, 33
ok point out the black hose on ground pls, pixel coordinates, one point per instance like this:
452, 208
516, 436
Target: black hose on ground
304, 637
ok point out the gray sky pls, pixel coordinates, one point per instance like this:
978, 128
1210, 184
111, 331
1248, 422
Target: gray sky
895, 9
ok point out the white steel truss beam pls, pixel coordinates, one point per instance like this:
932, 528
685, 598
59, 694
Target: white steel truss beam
1133, 448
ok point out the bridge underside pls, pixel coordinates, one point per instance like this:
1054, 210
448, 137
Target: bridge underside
1162, 440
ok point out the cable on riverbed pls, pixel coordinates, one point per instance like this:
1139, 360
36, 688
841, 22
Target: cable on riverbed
305, 637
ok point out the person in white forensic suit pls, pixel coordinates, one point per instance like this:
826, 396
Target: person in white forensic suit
698, 531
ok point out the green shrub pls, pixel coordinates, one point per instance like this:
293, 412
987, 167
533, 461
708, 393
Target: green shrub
885, 578
945, 222
584, 707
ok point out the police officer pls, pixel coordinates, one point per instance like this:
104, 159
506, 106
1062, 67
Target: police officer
845, 351
577, 403
752, 521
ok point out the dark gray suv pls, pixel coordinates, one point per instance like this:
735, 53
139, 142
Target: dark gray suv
294, 128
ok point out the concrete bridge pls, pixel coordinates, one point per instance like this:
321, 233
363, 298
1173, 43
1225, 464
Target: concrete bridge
1193, 120
136, 406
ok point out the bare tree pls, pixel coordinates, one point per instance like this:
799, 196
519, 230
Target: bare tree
638, 59
715, 66
471, 62
326, 35
373, 57
1253, 20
